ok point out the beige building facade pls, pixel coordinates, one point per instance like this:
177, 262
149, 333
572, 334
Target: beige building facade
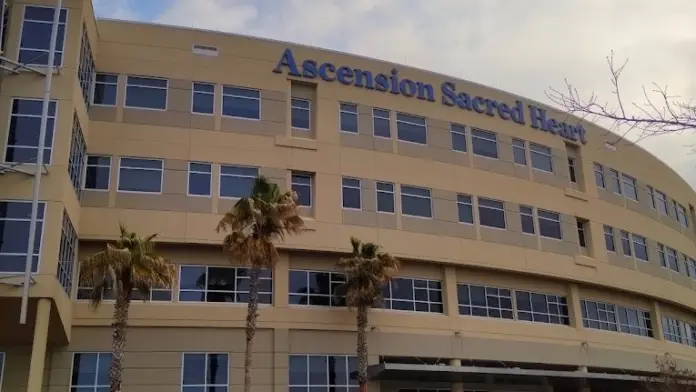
538, 254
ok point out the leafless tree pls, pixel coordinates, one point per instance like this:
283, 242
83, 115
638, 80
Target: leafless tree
659, 114
669, 378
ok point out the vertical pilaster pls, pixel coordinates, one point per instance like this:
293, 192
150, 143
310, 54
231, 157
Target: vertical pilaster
574, 307
656, 316
38, 348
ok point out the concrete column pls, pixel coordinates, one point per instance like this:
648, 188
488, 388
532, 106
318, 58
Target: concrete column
574, 309
450, 293
656, 318
38, 348
456, 386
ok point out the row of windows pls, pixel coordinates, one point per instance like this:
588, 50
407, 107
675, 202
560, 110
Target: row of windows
678, 331
623, 184
634, 245
204, 371
610, 317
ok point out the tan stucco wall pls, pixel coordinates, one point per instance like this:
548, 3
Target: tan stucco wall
438, 248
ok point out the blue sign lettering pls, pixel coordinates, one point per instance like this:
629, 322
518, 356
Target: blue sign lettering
392, 83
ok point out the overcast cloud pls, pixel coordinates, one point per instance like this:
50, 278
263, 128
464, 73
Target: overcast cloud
521, 47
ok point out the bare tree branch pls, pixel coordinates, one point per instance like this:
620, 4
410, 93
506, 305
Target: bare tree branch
670, 377
659, 114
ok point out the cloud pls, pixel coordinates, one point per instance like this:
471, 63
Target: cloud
521, 47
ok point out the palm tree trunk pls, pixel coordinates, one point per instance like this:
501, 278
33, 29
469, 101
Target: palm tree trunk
118, 340
362, 348
252, 315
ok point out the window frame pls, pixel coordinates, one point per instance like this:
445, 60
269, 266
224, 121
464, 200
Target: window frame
390, 298
644, 244
494, 140
53, 102
615, 179
660, 200
257, 99
332, 294
343, 188
613, 239
429, 197
188, 179
87, 166
310, 184
530, 216
631, 181
342, 111
65, 35
582, 233
43, 210
599, 171
424, 125
488, 307
94, 87
77, 158
538, 150
681, 212
193, 97
205, 386
161, 171
470, 204
546, 218
460, 131
307, 109
626, 236
352, 383
221, 175
572, 170
664, 252
548, 313
136, 296
166, 90
393, 196
205, 290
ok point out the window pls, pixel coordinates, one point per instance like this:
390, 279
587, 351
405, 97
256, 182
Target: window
316, 288
625, 243
98, 173
67, 254
609, 238
90, 372
640, 247
203, 101
205, 372
484, 143
610, 317
541, 157
668, 257
140, 175
381, 124
599, 175
322, 372
385, 197
491, 213
651, 193
681, 216
484, 301
542, 308
549, 224
350, 192
690, 266
571, 170
241, 103
200, 177
458, 133
301, 111
672, 329
302, 185
78, 152
582, 238
25, 125
146, 93
200, 283
519, 151
465, 209
156, 294
105, 89
411, 128
614, 181
415, 295
527, 219
35, 41
416, 201
237, 181
348, 115
14, 232
629, 187
85, 72
661, 200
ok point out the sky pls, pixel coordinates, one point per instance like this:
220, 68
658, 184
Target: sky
523, 47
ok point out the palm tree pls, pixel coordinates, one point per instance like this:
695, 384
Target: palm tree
129, 264
254, 224
367, 270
